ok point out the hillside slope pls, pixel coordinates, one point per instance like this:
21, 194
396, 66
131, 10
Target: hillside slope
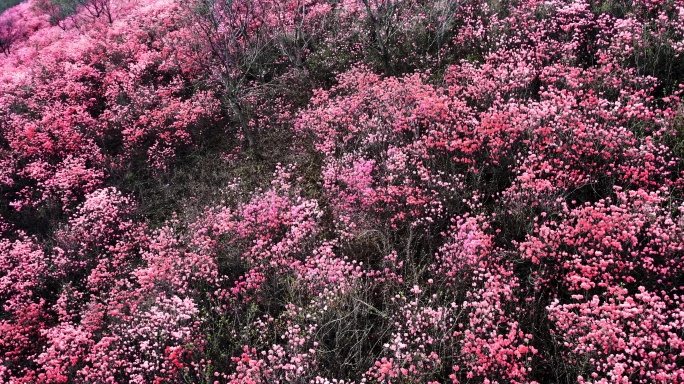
356, 191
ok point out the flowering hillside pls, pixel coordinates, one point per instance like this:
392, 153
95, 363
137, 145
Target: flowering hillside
355, 191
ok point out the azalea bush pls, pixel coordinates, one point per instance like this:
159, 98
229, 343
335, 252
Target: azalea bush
358, 191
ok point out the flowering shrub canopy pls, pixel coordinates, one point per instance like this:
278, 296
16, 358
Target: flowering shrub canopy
357, 191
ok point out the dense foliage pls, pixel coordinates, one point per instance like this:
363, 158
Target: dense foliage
355, 191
